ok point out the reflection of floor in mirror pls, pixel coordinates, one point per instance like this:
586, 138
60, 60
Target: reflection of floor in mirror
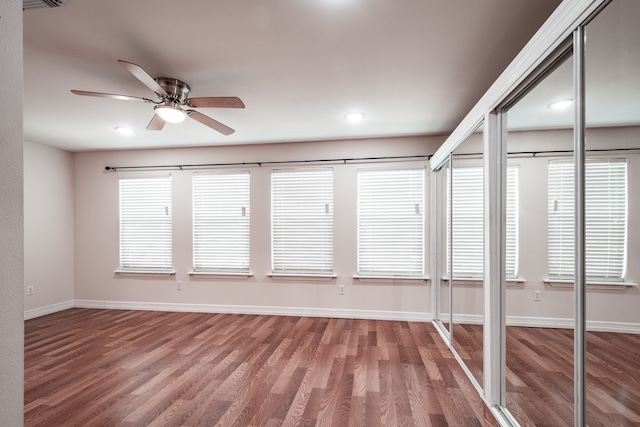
540, 375
468, 345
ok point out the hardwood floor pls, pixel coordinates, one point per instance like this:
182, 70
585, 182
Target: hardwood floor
135, 368
540, 375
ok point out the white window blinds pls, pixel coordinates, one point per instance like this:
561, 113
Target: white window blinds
468, 226
221, 222
391, 222
302, 221
605, 219
145, 223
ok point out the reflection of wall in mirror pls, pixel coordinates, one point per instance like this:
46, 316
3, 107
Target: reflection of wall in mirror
606, 307
618, 305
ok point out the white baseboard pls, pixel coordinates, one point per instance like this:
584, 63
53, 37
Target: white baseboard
549, 322
566, 323
620, 327
467, 319
48, 309
474, 319
261, 310
540, 322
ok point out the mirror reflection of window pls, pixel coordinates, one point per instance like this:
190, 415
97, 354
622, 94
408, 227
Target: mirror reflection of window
540, 131
444, 292
465, 226
612, 206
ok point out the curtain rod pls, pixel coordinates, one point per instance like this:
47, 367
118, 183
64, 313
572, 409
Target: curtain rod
535, 153
260, 164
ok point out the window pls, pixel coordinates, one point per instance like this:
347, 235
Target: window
145, 224
391, 222
221, 222
302, 221
605, 219
468, 226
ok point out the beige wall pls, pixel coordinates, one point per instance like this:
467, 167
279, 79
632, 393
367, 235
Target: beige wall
48, 225
11, 219
96, 235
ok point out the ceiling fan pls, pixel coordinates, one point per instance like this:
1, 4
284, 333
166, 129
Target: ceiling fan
173, 96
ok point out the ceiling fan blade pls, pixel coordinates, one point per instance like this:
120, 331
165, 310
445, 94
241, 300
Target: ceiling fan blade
156, 123
144, 77
110, 95
215, 102
208, 121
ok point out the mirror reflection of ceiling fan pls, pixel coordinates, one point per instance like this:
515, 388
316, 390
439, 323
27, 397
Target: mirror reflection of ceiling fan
173, 98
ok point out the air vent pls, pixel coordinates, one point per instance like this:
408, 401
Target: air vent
42, 4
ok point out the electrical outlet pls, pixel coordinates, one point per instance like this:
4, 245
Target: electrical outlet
341, 289
537, 295
179, 285
30, 290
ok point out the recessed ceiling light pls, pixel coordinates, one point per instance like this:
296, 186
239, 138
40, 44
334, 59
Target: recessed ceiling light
561, 105
124, 131
355, 117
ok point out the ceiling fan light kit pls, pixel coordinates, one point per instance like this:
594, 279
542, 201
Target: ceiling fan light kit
170, 112
173, 96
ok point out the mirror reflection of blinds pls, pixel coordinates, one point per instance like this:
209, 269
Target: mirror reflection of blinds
302, 221
145, 223
468, 227
221, 222
605, 219
391, 222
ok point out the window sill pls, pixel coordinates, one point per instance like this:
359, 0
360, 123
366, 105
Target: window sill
479, 282
219, 275
590, 284
391, 279
142, 273
306, 277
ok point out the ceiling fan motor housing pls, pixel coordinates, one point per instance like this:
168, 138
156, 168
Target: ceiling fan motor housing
177, 90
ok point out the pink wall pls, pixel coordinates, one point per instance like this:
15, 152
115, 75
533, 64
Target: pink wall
48, 226
615, 305
606, 307
71, 235
96, 235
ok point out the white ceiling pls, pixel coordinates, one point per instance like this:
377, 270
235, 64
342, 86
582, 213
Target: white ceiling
413, 67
